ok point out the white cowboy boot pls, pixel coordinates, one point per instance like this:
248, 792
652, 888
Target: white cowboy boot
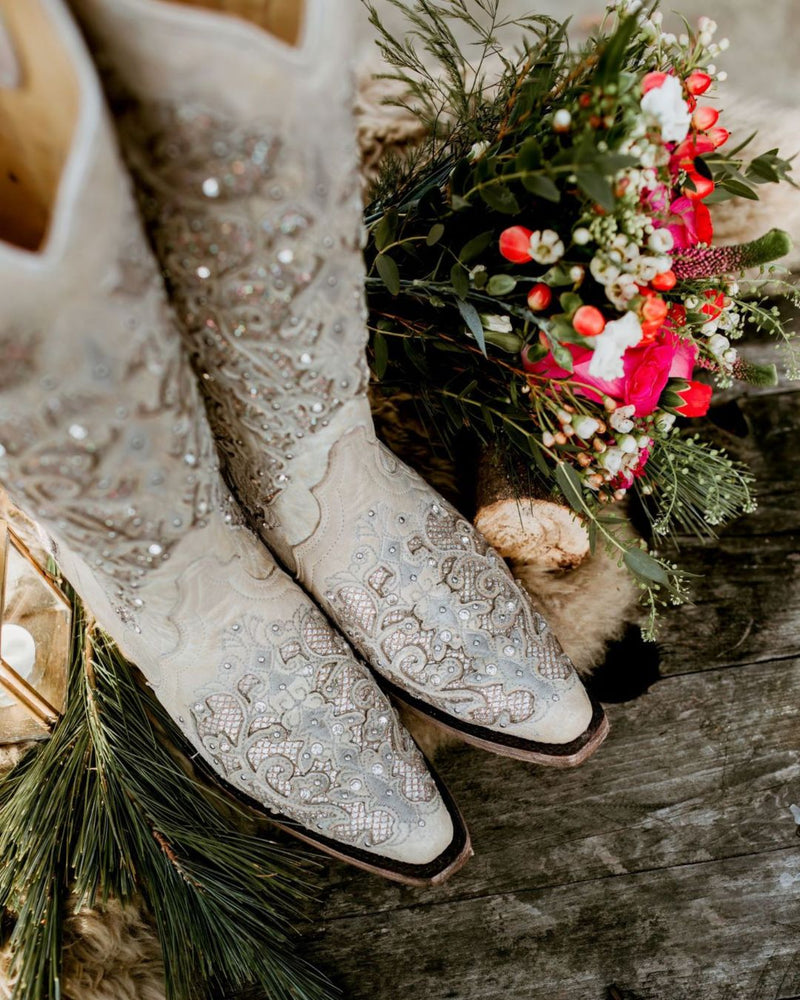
104, 440
243, 147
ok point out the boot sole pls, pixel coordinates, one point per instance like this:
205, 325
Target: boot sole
561, 755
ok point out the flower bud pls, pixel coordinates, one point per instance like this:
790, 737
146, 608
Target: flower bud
588, 321
697, 83
515, 244
539, 297
704, 118
562, 120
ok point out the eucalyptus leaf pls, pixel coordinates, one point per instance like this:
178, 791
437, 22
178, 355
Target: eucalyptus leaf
386, 229
381, 355
500, 198
389, 272
645, 567
459, 279
470, 316
597, 188
569, 483
501, 284
541, 186
472, 248
434, 234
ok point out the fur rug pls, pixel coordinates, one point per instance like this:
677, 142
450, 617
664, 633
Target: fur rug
114, 954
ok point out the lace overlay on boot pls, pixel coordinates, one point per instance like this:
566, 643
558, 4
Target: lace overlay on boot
260, 249
309, 731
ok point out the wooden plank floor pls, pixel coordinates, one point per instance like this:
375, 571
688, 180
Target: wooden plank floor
668, 866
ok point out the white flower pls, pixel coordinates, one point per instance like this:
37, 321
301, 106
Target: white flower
646, 269
496, 324
602, 270
611, 344
478, 149
620, 419
627, 443
664, 422
661, 241
586, 427
667, 106
612, 460
621, 290
562, 120
581, 236
718, 344
546, 246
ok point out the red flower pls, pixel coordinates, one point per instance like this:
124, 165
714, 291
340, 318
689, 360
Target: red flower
690, 223
647, 370
652, 312
715, 304
685, 153
701, 186
515, 244
696, 399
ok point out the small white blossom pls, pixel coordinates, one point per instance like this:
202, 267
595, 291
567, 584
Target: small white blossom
478, 149
611, 344
665, 421
562, 120
667, 106
602, 270
611, 460
581, 236
621, 290
661, 240
546, 246
730, 356
620, 419
718, 344
586, 427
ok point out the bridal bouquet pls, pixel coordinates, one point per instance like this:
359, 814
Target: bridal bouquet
543, 271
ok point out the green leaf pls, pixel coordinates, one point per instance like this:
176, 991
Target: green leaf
381, 352
389, 272
501, 284
612, 58
597, 188
541, 186
459, 279
529, 156
434, 234
500, 198
488, 419
570, 302
561, 355
475, 246
470, 316
386, 229
569, 483
645, 567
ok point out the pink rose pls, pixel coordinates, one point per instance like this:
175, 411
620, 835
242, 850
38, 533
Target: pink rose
647, 369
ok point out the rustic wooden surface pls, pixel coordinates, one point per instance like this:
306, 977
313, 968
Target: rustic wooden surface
668, 866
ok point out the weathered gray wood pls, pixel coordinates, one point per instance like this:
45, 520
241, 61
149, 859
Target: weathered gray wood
725, 930
702, 767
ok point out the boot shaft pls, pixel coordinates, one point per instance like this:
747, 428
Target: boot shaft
244, 151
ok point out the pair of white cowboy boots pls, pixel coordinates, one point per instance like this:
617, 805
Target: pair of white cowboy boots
241, 144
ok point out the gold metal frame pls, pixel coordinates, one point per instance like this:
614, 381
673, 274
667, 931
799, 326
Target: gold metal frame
42, 711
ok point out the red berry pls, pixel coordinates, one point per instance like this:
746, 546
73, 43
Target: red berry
588, 321
539, 297
719, 136
653, 80
697, 83
664, 282
702, 186
515, 244
704, 118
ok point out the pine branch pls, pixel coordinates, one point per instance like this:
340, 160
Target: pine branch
103, 810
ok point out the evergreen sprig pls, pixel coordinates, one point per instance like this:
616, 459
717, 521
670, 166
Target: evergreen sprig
102, 809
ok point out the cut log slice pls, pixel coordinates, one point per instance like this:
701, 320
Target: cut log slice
524, 524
